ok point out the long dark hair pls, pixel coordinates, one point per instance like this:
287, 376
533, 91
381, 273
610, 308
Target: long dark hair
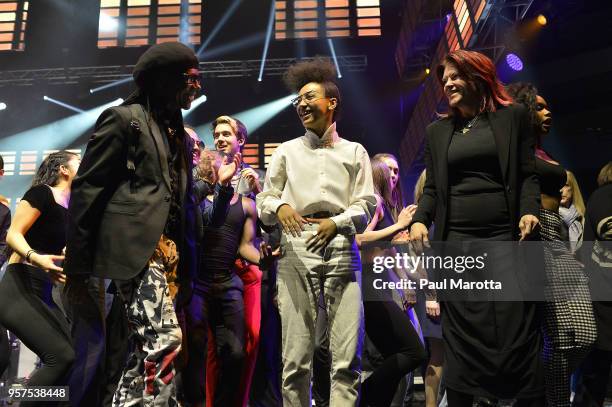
49, 171
478, 70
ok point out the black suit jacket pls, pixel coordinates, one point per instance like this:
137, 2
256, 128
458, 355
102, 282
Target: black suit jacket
116, 220
515, 146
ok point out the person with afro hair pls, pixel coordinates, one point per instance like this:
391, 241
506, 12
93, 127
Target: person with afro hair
319, 189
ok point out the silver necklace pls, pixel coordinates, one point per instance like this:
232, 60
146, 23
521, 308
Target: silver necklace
470, 124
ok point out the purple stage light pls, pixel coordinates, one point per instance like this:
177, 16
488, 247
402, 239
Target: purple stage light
514, 62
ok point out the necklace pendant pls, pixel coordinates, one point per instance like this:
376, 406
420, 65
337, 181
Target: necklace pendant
465, 130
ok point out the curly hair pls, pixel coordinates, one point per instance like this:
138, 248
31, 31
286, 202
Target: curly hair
525, 94
319, 70
49, 171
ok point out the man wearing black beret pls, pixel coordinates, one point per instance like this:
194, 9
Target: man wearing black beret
131, 217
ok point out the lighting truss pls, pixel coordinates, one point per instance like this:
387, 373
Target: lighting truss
98, 75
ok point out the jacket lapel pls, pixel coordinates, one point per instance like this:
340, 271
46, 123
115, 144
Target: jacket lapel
498, 126
445, 134
161, 150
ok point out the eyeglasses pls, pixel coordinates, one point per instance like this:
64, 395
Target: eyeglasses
307, 97
192, 79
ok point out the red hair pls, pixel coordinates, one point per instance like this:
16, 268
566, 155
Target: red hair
478, 70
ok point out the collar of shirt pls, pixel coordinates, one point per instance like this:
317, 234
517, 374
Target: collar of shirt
330, 137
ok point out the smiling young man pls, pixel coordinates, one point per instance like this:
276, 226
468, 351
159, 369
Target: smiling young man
132, 217
319, 189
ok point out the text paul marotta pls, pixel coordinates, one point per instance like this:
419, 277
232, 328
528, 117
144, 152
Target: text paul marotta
458, 264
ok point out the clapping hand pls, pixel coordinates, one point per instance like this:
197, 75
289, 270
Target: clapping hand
228, 168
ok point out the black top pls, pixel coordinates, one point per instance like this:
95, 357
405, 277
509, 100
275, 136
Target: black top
477, 203
552, 177
48, 233
220, 244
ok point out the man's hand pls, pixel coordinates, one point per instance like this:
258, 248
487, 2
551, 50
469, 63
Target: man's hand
432, 309
527, 225
267, 255
419, 237
228, 168
290, 220
252, 178
326, 231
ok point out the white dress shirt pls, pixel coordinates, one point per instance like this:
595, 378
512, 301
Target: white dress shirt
313, 174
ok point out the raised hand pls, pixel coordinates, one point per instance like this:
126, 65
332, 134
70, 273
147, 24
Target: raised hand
228, 168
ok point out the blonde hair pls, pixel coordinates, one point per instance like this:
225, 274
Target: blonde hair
605, 175
239, 128
419, 186
577, 199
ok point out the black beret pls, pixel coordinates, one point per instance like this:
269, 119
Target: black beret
164, 57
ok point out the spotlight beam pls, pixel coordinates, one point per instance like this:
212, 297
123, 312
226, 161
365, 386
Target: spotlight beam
62, 104
219, 25
233, 46
333, 52
253, 118
194, 105
110, 85
58, 134
268, 36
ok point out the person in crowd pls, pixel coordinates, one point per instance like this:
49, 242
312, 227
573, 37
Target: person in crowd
29, 306
319, 188
217, 305
387, 325
568, 321
5, 221
229, 137
197, 143
481, 186
572, 210
132, 217
597, 255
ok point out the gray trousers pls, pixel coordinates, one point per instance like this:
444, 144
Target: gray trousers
301, 277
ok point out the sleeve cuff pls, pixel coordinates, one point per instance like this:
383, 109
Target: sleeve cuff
344, 224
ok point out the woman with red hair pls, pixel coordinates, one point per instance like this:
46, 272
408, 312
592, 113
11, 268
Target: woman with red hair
481, 187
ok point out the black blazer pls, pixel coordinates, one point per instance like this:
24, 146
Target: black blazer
115, 220
515, 145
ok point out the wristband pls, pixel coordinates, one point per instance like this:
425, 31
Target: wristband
29, 253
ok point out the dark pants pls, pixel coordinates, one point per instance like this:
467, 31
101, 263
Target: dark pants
217, 308
5, 351
100, 339
595, 377
28, 310
265, 387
